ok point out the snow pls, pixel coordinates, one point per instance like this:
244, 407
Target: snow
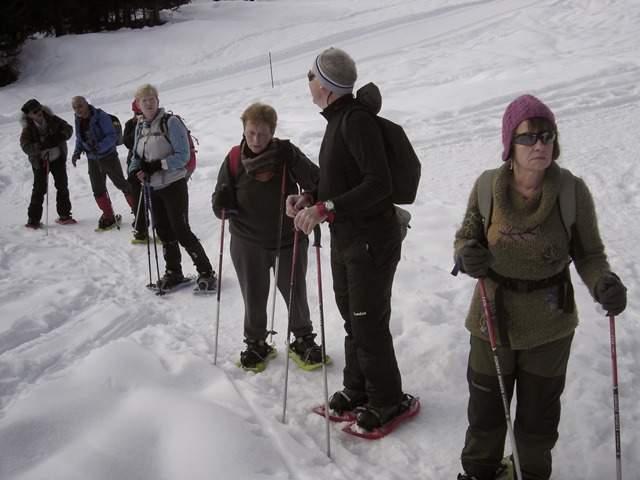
102, 380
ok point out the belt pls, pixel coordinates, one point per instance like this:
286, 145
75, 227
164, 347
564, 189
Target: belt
561, 280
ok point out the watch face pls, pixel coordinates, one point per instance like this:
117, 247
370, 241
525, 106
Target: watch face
328, 205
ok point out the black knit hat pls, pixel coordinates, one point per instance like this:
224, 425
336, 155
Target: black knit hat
31, 105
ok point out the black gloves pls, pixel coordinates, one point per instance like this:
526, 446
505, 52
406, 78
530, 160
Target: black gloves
50, 141
75, 157
611, 294
223, 198
133, 176
95, 150
151, 166
475, 259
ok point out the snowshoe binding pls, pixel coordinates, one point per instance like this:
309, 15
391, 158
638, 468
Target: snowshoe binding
306, 353
256, 356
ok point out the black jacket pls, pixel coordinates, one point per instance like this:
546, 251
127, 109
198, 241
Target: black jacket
354, 171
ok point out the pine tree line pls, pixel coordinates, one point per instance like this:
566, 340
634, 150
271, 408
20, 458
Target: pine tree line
21, 20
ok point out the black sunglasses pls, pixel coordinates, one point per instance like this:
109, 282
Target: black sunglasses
530, 139
311, 75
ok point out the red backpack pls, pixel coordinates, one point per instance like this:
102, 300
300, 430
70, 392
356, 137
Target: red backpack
191, 164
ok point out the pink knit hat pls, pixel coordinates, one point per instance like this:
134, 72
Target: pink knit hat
522, 108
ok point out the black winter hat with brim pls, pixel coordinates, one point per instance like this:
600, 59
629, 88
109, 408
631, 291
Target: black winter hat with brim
31, 105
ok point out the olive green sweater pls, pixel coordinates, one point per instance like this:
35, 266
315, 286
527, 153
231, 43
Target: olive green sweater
529, 242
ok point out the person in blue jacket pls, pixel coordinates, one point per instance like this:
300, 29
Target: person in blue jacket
97, 137
160, 155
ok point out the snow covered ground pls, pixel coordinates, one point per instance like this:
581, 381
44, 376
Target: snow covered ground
101, 380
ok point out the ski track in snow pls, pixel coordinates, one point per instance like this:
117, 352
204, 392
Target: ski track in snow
446, 72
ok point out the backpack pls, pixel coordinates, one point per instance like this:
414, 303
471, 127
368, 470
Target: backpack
191, 164
566, 199
404, 163
118, 126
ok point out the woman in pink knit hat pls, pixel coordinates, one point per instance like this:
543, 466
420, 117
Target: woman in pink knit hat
524, 223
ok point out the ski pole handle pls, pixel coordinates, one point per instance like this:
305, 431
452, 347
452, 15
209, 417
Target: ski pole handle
317, 234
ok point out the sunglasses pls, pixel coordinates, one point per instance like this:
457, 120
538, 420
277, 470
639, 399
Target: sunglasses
530, 139
311, 75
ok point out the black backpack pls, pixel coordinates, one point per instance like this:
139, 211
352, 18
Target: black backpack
404, 163
117, 125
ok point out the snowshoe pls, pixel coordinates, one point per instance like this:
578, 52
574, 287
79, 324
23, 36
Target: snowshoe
386, 418
504, 471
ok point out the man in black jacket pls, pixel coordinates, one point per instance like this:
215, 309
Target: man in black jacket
44, 139
354, 196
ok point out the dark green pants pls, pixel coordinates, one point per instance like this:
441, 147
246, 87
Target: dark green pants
538, 375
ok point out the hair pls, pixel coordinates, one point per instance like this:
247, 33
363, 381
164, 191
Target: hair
145, 89
541, 124
79, 98
260, 112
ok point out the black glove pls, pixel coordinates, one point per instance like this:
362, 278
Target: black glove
75, 157
133, 176
95, 150
50, 141
223, 199
151, 166
611, 294
475, 259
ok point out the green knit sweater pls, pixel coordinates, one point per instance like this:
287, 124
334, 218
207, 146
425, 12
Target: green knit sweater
529, 242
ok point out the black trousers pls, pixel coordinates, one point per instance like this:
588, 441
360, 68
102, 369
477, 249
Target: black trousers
171, 220
364, 257
58, 169
108, 166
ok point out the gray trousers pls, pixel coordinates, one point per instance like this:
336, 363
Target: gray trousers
253, 267
538, 376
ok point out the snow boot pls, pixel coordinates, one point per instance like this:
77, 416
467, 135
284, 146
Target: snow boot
503, 472
371, 416
307, 349
108, 218
256, 353
65, 220
33, 223
207, 281
170, 279
347, 400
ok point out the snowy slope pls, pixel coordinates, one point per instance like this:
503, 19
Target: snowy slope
101, 380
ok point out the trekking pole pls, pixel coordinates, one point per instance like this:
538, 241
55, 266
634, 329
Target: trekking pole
288, 340
616, 404
46, 215
143, 193
503, 391
147, 185
316, 243
135, 224
215, 344
276, 268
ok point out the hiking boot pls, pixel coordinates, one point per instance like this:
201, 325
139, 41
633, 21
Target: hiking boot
106, 221
170, 279
465, 477
347, 400
207, 281
256, 352
307, 349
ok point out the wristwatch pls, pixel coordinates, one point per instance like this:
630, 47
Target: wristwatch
329, 207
